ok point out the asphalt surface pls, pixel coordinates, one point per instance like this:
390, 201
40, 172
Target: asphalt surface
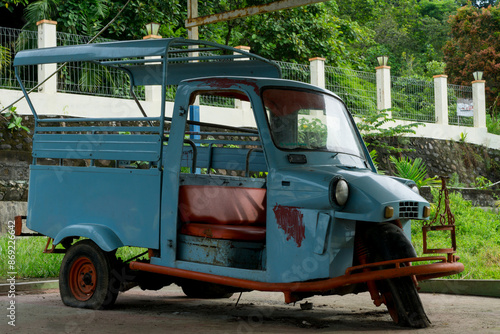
169, 311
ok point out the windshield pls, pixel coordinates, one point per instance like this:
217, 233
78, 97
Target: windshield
304, 120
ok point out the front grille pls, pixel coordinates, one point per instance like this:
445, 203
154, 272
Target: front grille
408, 210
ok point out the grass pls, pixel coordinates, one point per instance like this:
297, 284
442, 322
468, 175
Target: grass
478, 245
31, 262
478, 239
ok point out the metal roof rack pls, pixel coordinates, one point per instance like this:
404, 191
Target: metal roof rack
147, 61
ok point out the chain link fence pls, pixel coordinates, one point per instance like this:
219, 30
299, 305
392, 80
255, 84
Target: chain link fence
456, 95
412, 99
358, 89
90, 78
12, 41
293, 71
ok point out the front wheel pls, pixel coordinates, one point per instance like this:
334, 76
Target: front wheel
86, 277
386, 241
403, 302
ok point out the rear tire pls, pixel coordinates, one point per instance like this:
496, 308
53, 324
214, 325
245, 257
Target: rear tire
86, 277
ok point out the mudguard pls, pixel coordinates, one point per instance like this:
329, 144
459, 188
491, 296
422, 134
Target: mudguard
385, 241
103, 236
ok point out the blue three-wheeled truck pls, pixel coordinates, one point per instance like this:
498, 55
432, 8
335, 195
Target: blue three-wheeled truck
291, 202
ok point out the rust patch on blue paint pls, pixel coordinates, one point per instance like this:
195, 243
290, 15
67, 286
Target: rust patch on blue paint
290, 220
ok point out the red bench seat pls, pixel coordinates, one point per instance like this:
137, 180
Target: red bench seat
232, 213
228, 232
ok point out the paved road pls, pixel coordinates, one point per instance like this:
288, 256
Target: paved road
169, 311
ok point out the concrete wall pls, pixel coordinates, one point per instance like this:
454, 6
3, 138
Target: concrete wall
8, 210
96, 106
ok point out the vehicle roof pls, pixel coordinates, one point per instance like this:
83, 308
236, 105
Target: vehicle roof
229, 81
182, 61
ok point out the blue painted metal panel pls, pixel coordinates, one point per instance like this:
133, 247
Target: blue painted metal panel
102, 235
93, 52
95, 129
97, 146
148, 75
219, 252
126, 201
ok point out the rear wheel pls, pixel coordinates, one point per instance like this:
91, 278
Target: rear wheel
86, 277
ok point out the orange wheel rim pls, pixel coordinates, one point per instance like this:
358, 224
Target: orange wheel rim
82, 279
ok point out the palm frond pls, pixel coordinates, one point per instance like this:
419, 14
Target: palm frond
413, 170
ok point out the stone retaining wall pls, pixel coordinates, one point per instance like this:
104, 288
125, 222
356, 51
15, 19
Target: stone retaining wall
445, 157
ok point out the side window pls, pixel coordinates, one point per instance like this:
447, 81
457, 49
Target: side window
221, 137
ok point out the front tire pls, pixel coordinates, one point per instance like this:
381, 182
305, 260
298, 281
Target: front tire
386, 241
403, 302
86, 277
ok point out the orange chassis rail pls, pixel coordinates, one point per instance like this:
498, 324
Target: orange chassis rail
369, 272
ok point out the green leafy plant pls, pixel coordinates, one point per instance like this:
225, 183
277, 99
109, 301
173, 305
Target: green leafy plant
5, 57
454, 181
14, 121
313, 132
463, 137
372, 127
374, 156
481, 182
413, 170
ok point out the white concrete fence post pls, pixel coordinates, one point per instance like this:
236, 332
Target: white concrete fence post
47, 37
152, 93
441, 98
317, 71
383, 78
244, 106
317, 67
479, 100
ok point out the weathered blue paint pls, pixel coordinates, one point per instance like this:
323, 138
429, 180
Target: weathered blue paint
102, 235
124, 200
308, 237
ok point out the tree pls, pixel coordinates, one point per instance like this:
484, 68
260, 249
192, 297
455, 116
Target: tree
10, 4
475, 45
88, 17
301, 33
484, 3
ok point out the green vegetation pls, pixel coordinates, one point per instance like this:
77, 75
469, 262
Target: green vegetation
421, 37
475, 45
372, 129
478, 238
12, 120
413, 170
32, 262
312, 132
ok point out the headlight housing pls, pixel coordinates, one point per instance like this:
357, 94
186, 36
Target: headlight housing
415, 189
339, 191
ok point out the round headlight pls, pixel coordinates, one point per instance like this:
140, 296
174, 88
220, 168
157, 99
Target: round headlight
415, 189
340, 191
